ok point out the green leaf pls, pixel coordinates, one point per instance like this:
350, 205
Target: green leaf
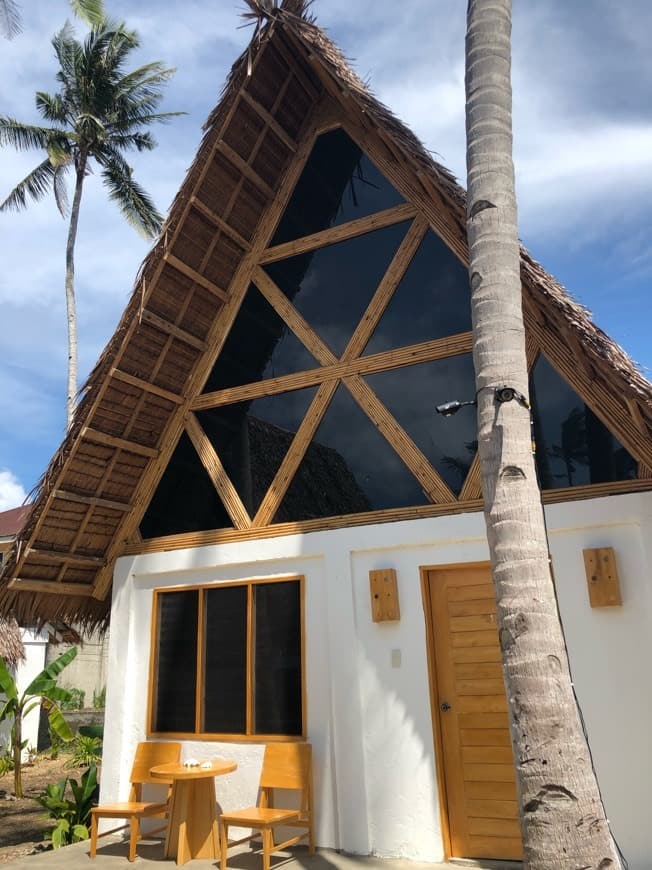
60, 833
59, 695
33, 186
24, 137
10, 24
8, 710
7, 682
30, 707
88, 785
79, 832
134, 203
57, 723
91, 11
52, 671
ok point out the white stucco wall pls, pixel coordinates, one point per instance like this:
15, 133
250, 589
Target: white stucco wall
369, 720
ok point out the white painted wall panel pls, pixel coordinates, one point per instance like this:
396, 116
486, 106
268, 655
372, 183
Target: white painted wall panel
369, 721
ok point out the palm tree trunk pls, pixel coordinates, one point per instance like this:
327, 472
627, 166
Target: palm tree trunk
71, 308
16, 741
562, 816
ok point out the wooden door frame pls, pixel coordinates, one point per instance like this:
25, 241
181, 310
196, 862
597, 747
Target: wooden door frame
440, 773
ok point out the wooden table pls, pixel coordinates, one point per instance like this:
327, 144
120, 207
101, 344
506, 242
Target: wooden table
192, 824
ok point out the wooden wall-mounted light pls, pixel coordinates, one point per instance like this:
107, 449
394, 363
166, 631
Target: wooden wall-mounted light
384, 595
602, 577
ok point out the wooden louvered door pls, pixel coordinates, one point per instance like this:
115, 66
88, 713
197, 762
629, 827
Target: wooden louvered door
471, 707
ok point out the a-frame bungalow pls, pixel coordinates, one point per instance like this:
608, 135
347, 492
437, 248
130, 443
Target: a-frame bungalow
287, 540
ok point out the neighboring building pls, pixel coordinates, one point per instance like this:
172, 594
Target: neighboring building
258, 440
11, 522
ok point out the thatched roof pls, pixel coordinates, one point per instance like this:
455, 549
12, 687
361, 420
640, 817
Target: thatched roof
132, 412
11, 643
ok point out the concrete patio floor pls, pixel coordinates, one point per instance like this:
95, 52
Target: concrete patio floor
112, 855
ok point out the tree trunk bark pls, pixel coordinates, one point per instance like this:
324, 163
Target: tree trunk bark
71, 308
562, 817
16, 740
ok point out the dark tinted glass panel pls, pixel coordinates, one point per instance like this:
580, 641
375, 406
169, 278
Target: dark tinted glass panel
259, 346
573, 447
332, 286
185, 499
252, 438
176, 662
348, 468
432, 300
225, 681
411, 394
277, 666
339, 184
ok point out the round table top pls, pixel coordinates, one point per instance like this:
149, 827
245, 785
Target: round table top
178, 770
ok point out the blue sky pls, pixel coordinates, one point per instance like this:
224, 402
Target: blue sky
583, 154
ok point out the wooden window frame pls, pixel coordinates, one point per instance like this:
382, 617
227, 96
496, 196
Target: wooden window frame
249, 736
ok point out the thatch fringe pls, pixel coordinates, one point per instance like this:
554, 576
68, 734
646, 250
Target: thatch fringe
11, 642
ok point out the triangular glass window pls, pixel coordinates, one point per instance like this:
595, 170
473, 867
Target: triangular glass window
349, 468
185, 499
338, 184
573, 447
259, 346
331, 287
433, 300
411, 393
252, 438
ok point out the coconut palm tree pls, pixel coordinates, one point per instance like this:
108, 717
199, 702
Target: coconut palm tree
562, 816
99, 112
91, 11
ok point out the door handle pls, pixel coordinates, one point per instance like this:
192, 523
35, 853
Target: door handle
445, 707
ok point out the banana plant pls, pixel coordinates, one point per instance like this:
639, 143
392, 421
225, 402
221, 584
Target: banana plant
43, 690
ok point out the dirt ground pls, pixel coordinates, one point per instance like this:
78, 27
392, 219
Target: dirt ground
22, 827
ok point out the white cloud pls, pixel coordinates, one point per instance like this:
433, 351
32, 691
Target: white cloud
12, 493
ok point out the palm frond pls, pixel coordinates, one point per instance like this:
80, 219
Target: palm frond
24, 137
33, 186
51, 107
145, 78
126, 125
91, 11
135, 204
10, 24
127, 141
59, 152
60, 189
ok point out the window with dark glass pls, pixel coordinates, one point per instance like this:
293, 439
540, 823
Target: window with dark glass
185, 499
252, 438
411, 393
573, 447
377, 443
348, 468
332, 286
432, 300
338, 184
259, 346
241, 645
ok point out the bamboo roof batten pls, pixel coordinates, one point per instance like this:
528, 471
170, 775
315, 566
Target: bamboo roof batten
290, 85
